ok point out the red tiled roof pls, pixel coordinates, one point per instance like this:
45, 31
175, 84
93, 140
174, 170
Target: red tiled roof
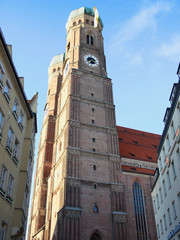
135, 144
138, 170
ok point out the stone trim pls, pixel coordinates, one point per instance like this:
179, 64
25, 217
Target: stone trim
119, 217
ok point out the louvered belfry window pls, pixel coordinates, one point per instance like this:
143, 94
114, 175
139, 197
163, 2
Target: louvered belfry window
140, 215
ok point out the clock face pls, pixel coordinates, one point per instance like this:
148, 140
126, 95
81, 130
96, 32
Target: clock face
91, 60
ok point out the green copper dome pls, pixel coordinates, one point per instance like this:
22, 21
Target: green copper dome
57, 59
80, 11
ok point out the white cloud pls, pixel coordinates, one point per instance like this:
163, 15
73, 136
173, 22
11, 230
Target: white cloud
171, 49
144, 20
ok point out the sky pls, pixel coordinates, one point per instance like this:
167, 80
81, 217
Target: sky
142, 48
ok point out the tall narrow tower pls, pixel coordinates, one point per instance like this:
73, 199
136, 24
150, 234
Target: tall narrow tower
78, 192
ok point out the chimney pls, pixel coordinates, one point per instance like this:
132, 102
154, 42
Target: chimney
21, 79
10, 49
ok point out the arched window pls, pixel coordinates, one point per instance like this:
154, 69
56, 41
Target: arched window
95, 209
95, 236
89, 40
139, 208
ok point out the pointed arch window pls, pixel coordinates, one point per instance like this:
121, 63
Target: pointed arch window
95, 236
139, 208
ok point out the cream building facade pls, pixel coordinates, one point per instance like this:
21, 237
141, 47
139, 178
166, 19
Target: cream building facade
17, 138
166, 191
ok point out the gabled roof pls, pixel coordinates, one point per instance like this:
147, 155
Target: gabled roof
138, 145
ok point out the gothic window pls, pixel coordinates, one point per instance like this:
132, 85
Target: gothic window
92, 109
93, 139
92, 121
68, 46
79, 22
94, 149
95, 209
139, 209
54, 70
89, 40
94, 167
74, 23
95, 236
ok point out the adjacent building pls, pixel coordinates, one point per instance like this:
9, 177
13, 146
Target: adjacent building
138, 152
166, 190
17, 138
93, 179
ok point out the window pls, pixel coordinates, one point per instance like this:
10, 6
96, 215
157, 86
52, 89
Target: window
160, 194
79, 22
94, 167
157, 199
3, 178
94, 149
92, 121
16, 149
165, 223
7, 91
92, 109
1, 121
3, 229
10, 139
174, 209
89, 40
139, 208
10, 186
68, 46
164, 188
87, 21
15, 108
173, 129
93, 139
95, 209
169, 180
21, 120
160, 163
161, 226
169, 216
1, 79
178, 156
173, 170
158, 232
168, 142
154, 204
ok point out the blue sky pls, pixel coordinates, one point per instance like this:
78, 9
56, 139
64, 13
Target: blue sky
142, 48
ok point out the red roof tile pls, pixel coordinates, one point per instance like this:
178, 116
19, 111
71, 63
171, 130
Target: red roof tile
135, 144
138, 170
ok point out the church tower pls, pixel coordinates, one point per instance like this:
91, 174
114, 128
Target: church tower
77, 191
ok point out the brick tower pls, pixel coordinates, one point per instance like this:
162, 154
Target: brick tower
77, 191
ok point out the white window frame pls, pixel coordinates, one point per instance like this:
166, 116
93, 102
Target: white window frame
16, 149
3, 177
21, 120
10, 186
7, 90
1, 120
10, 138
15, 109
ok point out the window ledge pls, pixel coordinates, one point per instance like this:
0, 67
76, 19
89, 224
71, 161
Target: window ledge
20, 126
15, 160
15, 115
9, 199
2, 192
9, 150
1, 84
6, 97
